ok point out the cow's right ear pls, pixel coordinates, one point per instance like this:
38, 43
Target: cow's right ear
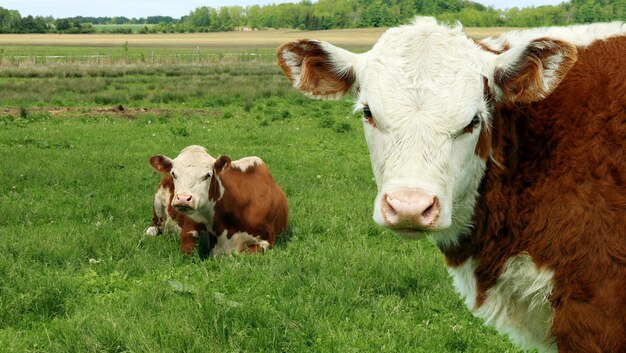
221, 163
318, 69
161, 164
530, 73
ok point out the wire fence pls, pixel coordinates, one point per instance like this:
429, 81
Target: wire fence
148, 59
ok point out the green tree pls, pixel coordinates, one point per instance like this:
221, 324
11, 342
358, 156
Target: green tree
226, 22
199, 18
9, 21
588, 12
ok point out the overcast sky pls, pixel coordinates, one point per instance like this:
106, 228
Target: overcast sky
174, 8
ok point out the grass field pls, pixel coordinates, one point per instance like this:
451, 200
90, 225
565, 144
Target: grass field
79, 275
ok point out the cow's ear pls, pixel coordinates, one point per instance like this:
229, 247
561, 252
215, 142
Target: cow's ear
530, 73
221, 163
318, 69
161, 164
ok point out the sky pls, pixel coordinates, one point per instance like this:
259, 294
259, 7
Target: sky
173, 8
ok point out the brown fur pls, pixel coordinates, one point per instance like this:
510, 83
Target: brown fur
252, 202
483, 146
558, 193
317, 77
506, 46
188, 228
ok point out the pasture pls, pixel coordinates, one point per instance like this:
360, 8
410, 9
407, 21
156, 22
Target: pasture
79, 275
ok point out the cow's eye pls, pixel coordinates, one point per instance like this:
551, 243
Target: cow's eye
206, 177
472, 125
367, 115
173, 175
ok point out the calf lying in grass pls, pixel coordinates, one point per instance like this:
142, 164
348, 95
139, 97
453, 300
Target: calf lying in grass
229, 205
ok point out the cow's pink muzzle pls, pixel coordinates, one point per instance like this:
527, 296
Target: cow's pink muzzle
410, 209
182, 201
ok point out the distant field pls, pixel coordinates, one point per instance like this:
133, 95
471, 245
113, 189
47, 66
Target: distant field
360, 37
38, 49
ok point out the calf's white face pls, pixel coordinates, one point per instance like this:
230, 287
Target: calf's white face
425, 91
192, 172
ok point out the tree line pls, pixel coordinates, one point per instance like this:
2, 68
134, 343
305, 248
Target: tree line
331, 14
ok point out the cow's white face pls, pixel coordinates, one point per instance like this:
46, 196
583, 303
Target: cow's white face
426, 91
422, 122
192, 172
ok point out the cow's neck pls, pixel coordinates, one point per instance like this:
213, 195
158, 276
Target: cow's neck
490, 244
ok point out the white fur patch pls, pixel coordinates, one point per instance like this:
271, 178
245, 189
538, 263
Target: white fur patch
159, 204
152, 231
247, 162
579, 35
161, 201
517, 305
292, 60
237, 242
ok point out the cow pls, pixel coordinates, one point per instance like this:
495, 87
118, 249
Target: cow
509, 154
238, 202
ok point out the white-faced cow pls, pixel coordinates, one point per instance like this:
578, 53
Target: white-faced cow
238, 202
510, 155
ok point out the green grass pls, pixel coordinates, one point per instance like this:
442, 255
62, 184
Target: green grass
78, 274
44, 56
176, 86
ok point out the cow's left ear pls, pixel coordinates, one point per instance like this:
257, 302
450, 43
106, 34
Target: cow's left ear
530, 73
318, 69
161, 164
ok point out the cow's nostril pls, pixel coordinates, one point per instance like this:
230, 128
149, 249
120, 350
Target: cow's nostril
431, 213
189, 198
389, 208
428, 211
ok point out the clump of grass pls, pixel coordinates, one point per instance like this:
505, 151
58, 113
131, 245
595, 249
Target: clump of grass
247, 106
343, 127
326, 122
23, 112
110, 99
180, 130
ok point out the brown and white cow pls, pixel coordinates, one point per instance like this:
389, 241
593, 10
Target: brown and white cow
238, 202
510, 155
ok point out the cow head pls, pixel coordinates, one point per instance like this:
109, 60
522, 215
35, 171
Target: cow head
192, 171
427, 93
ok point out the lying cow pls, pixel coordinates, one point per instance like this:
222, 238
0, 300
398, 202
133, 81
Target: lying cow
238, 202
510, 155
